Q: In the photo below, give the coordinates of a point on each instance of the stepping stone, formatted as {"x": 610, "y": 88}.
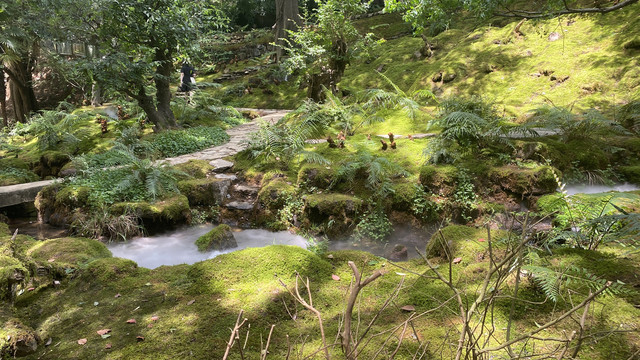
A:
{"x": 220, "y": 165}
{"x": 315, "y": 141}
{"x": 422, "y": 136}
{"x": 226, "y": 177}
{"x": 246, "y": 189}
{"x": 239, "y": 205}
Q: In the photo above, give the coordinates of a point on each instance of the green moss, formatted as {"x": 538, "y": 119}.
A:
{"x": 216, "y": 239}
{"x": 72, "y": 197}
{"x": 461, "y": 241}
{"x": 403, "y": 196}
{"x": 16, "y": 339}
{"x": 631, "y": 173}
{"x": 171, "y": 210}
{"x": 51, "y": 162}
{"x": 4, "y": 229}
{"x": 336, "y": 212}
{"x": 110, "y": 269}
{"x": 197, "y": 169}
{"x": 440, "y": 180}
{"x": 59, "y": 255}
{"x": 525, "y": 181}
{"x": 203, "y": 192}
{"x": 314, "y": 175}
{"x": 274, "y": 193}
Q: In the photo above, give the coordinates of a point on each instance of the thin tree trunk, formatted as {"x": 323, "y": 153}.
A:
{"x": 287, "y": 18}
{"x": 163, "y": 88}
{"x": 21, "y": 91}
{"x": 3, "y": 100}
{"x": 96, "y": 89}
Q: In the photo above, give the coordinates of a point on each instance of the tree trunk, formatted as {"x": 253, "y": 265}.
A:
{"x": 3, "y": 101}
{"x": 96, "y": 89}
{"x": 21, "y": 89}
{"x": 287, "y": 18}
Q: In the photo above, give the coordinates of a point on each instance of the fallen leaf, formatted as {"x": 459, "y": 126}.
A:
{"x": 147, "y": 284}
{"x": 335, "y": 277}
{"x": 150, "y": 326}
{"x": 191, "y": 302}
{"x": 131, "y": 321}
{"x": 108, "y": 346}
{"x": 82, "y": 341}
{"x": 105, "y": 336}
{"x": 408, "y": 308}
{"x": 56, "y": 282}
{"x": 31, "y": 289}
{"x": 457, "y": 260}
{"x": 51, "y": 260}
{"x": 48, "y": 342}
{"x": 103, "y": 331}
{"x": 481, "y": 240}
{"x": 95, "y": 303}
{"x": 117, "y": 295}
{"x": 372, "y": 262}
{"x": 140, "y": 338}
{"x": 154, "y": 318}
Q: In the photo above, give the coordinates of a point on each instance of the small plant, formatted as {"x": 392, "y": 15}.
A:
{"x": 317, "y": 246}
{"x": 374, "y": 225}
{"x": 102, "y": 224}
{"x": 465, "y": 196}
{"x": 421, "y": 206}
{"x": 204, "y": 215}
{"x": 178, "y": 142}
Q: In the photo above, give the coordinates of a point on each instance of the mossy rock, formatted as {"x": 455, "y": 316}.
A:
{"x": 531, "y": 150}
{"x": 204, "y": 192}
{"x": 631, "y": 173}
{"x": 461, "y": 241}
{"x": 220, "y": 238}
{"x": 197, "y": 169}
{"x": 45, "y": 203}
{"x": 275, "y": 193}
{"x": 173, "y": 210}
{"x": 403, "y": 195}
{"x": 72, "y": 197}
{"x": 439, "y": 180}
{"x": 64, "y": 255}
{"x": 12, "y": 271}
{"x": 314, "y": 175}
{"x": 110, "y": 269}
{"x": 51, "y": 162}
{"x": 17, "y": 339}
{"x": 4, "y": 229}
{"x": 525, "y": 181}
{"x": 339, "y": 210}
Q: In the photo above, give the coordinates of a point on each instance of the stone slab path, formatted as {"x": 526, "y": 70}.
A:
{"x": 238, "y": 137}
{"x": 22, "y": 193}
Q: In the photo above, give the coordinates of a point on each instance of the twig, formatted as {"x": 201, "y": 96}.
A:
{"x": 266, "y": 348}
{"x": 233, "y": 334}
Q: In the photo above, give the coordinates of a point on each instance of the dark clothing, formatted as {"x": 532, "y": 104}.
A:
{"x": 187, "y": 73}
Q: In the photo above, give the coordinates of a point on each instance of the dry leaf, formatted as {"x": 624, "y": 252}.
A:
{"x": 103, "y": 331}
{"x": 457, "y": 260}
{"x": 48, "y": 342}
{"x": 150, "y": 326}
{"x": 108, "y": 346}
{"x": 481, "y": 240}
{"x": 335, "y": 277}
{"x": 191, "y": 302}
{"x": 31, "y": 289}
{"x": 117, "y": 295}
{"x": 51, "y": 260}
{"x": 82, "y": 341}
{"x": 154, "y": 318}
{"x": 408, "y": 308}
{"x": 140, "y": 338}
{"x": 131, "y": 321}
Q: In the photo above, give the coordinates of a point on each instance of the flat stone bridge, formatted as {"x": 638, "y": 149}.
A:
{"x": 238, "y": 136}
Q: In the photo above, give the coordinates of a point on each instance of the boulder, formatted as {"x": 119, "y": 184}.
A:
{"x": 399, "y": 253}
{"x": 220, "y": 165}
{"x": 220, "y": 238}
{"x": 205, "y": 192}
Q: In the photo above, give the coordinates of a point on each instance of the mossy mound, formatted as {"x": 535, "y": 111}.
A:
{"x": 439, "y": 180}
{"x": 12, "y": 271}
{"x": 275, "y": 193}
{"x": 531, "y": 150}
{"x": 56, "y": 203}
{"x": 525, "y": 181}
{"x": 45, "y": 203}
{"x": 110, "y": 269}
{"x": 65, "y": 255}
{"x": 51, "y": 162}
{"x": 17, "y": 339}
{"x": 220, "y": 238}
{"x": 250, "y": 266}
{"x": 173, "y": 210}
{"x": 314, "y": 175}
{"x": 197, "y": 169}
{"x": 204, "y": 192}
{"x": 13, "y": 176}
{"x": 403, "y": 196}
{"x": 339, "y": 209}
{"x": 460, "y": 241}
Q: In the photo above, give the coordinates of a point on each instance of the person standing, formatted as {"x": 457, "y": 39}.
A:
{"x": 187, "y": 77}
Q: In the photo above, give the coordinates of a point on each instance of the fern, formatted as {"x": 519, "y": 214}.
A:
{"x": 410, "y": 104}
{"x": 585, "y": 126}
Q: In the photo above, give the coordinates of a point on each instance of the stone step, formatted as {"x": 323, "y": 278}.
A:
{"x": 220, "y": 165}
{"x": 239, "y": 205}
{"x": 230, "y": 177}
{"x": 246, "y": 189}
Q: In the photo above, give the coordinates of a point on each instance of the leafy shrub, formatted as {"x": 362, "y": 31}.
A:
{"x": 629, "y": 116}
{"x": 576, "y": 127}
{"x": 102, "y": 223}
{"x": 55, "y": 130}
{"x": 202, "y": 109}
{"x": 374, "y": 225}
{"x": 179, "y": 142}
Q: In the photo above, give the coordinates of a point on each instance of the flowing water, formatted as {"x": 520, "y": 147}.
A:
{"x": 596, "y": 189}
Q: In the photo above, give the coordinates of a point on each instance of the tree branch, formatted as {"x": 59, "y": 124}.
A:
{"x": 567, "y": 10}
